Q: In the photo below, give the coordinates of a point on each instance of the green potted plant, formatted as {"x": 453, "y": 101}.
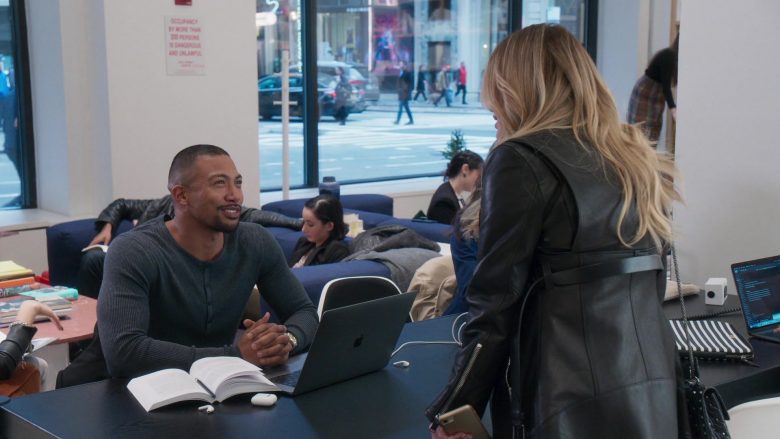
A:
{"x": 455, "y": 145}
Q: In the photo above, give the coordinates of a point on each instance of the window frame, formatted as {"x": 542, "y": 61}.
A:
{"x": 310, "y": 100}
{"x": 21, "y": 57}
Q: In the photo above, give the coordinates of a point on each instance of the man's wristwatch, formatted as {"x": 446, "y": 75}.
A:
{"x": 293, "y": 340}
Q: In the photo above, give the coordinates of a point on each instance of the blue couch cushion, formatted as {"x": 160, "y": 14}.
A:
{"x": 286, "y": 239}
{"x": 376, "y": 203}
{"x": 64, "y": 242}
{"x": 314, "y": 278}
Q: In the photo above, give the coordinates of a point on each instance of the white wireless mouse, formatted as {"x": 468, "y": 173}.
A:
{"x": 264, "y": 399}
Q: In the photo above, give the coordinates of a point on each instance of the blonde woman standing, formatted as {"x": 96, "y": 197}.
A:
{"x": 566, "y": 335}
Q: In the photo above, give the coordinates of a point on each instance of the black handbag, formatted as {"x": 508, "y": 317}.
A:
{"x": 707, "y": 414}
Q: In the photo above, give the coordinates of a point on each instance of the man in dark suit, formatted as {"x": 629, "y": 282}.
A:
{"x": 405, "y": 85}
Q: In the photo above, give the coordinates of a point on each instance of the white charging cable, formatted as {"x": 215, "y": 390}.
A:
{"x": 455, "y": 336}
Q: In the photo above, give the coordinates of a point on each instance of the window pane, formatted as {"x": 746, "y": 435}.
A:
{"x": 442, "y": 47}
{"x": 278, "y": 29}
{"x": 568, "y": 13}
{"x": 11, "y": 162}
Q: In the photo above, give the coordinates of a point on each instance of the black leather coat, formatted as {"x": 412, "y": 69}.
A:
{"x": 144, "y": 210}
{"x": 590, "y": 358}
{"x": 13, "y": 348}
{"x": 329, "y": 252}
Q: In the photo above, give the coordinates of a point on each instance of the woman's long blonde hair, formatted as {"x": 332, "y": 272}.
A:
{"x": 541, "y": 78}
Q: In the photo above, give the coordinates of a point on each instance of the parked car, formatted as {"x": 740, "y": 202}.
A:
{"x": 269, "y": 90}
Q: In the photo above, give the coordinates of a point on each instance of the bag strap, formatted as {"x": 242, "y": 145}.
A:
{"x": 694, "y": 373}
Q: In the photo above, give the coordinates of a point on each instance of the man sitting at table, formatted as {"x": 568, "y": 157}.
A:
{"x": 174, "y": 289}
{"x": 140, "y": 211}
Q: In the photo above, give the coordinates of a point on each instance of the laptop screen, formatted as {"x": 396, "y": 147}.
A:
{"x": 758, "y": 285}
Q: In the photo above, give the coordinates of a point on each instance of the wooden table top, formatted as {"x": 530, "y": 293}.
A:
{"x": 78, "y": 325}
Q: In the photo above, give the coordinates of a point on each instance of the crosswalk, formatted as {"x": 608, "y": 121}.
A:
{"x": 368, "y": 147}
{"x": 368, "y": 140}
{"x": 373, "y": 148}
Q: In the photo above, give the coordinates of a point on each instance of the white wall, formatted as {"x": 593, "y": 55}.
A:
{"x": 54, "y": 41}
{"x": 728, "y": 135}
{"x": 27, "y": 248}
{"x": 153, "y": 115}
{"x": 106, "y": 111}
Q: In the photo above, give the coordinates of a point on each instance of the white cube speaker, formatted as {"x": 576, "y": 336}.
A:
{"x": 715, "y": 291}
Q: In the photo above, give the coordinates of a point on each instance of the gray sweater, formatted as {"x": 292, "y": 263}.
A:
{"x": 159, "y": 307}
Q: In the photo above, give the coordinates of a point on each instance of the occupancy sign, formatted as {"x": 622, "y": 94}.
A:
{"x": 184, "y": 46}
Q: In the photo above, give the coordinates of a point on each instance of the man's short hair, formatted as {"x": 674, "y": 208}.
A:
{"x": 185, "y": 158}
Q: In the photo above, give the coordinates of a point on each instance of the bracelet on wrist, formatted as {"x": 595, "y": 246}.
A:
{"x": 21, "y": 323}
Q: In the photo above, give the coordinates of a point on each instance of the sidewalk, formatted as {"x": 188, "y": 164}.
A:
{"x": 389, "y": 102}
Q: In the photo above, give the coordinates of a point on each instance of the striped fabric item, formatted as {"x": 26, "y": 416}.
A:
{"x": 711, "y": 339}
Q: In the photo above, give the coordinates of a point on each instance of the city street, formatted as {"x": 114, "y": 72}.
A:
{"x": 370, "y": 146}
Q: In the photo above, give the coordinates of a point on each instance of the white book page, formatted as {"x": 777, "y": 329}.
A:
{"x": 219, "y": 374}
{"x": 100, "y": 246}
{"x": 212, "y": 371}
{"x": 165, "y": 387}
{"x": 244, "y": 384}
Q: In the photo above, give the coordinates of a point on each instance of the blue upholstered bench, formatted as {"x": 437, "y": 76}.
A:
{"x": 375, "y": 203}
{"x": 314, "y": 277}
{"x": 64, "y": 242}
{"x": 373, "y": 210}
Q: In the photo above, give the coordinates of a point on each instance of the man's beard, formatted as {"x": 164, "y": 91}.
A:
{"x": 225, "y": 227}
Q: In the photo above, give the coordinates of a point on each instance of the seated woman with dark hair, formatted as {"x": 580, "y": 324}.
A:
{"x": 462, "y": 173}
{"x": 323, "y": 230}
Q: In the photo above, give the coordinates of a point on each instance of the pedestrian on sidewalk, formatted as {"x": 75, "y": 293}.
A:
{"x": 343, "y": 94}
{"x": 405, "y": 83}
{"x": 461, "y": 85}
{"x": 422, "y": 83}
{"x": 443, "y": 86}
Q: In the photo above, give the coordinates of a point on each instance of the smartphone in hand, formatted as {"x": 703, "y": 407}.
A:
{"x": 463, "y": 419}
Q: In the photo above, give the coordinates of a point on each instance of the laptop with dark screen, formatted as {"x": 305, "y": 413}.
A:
{"x": 350, "y": 341}
{"x": 758, "y": 287}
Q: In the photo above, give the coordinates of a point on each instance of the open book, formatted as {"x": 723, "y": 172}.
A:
{"x": 210, "y": 379}
{"x": 90, "y": 247}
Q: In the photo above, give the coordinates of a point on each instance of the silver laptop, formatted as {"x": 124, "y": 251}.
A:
{"x": 351, "y": 341}
{"x": 758, "y": 286}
